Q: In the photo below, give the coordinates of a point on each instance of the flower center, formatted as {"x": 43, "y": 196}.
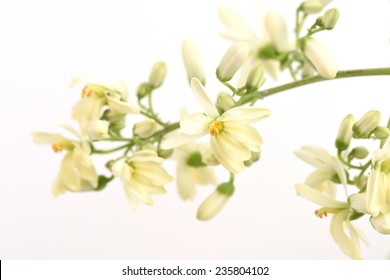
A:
{"x": 320, "y": 213}
{"x": 57, "y": 148}
{"x": 215, "y": 128}
{"x": 87, "y": 91}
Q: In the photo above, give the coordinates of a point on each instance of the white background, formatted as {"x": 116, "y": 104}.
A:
{"x": 44, "y": 44}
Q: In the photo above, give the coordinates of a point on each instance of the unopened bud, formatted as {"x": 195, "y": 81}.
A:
{"x": 233, "y": 59}
{"x": 321, "y": 57}
{"x": 165, "y": 153}
{"x": 98, "y": 130}
{"x": 145, "y": 128}
{"x": 359, "y": 153}
{"x": 381, "y": 132}
{"x": 215, "y": 202}
{"x": 330, "y": 18}
{"x": 364, "y": 126}
{"x": 143, "y": 90}
{"x": 193, "y": 62}
{"x": 224, "y": 102}
{"x": 255, "y": 79}
{"x": 157, "y": 74}
{"x": 312, "y": 6}
{"x": 344, "y": 135}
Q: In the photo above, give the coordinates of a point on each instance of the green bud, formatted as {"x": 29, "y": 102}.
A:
{"x": 330, "y": 18}
{"x": 145, "y": 128}
{"x": 195, "y": 160}
{"x": 255, "y": 156}
{"x": 366, "y": 124}
{"x": 385, "y": 166}
{"x": 255, "y": 79}
{"x": 381, "y": 132}
{"x": 226, "y": 188}
{"x": 359, "y": 153}
{"x": 224, "y": 102}
{"x": 312, "y": 7}
{"x": 165, "y": 153}
{"x": 268, "y": 52}
{"x": 344, "y": 135}
{"x": 143, "y": 90}
{"x": 157, "y": 75}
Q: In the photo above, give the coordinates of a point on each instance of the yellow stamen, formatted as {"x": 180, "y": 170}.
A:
{"x": 57, "y": 148}
{"x": 215, "y": 128}
{"x": 131, "y": 170}
{"x": 320, "y": 213}
{"x": 87, "y": 91}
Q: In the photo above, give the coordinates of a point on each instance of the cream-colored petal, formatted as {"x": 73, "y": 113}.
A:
{"x": 58, "y": 187}
{"x": 140, "y": 192}
{"x": 131, "y": 197}
{"x": 244, "y": 134}
{"x": 195, "y": 124}
{"x": 235, "y": 23}
{"x": 231, "y": 147}
{"x": 340, "y": 170}
{"x": 244, "y": 115}
{"x": 314, "y": 156}
{"x": 318, "y": 197}
{"x": 156, "y": 175}
{"x": 381, "y": 223}
{"x": 203, "y": 175}
{"x": 122, "y": 106}
{"x": 185, "y": 184}
{"x": 68, "y": 174}
{"x": 203, "y": 99}
{"x": 346, "y": 244}
{"x": 230, "y": 164}
{"x": 178, "y": 138}
{"x": 277, "y": 30}
{"x": 117, "y": 167}
{"x": 357, "y": 202}
{"x": 375, "y": 192}
{"x": 317, "y": 178}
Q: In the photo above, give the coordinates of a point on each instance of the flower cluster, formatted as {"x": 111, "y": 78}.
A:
{"x": 364, "y": 193}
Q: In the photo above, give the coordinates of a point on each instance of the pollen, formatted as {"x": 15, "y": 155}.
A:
{"x": 320, "y": 213}
{"x": 87, "y": 91}
{"x": 215, "y": 128}
{"x": 57, "y": 148}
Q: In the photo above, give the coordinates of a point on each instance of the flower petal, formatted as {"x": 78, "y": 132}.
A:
{"x": 231, "y": 147}
{"x": 244, "y": 115}
{"x": 244, "y": 134}
{"x": 230, "y": 164}
{"x": 203, "y": 100}
{"x": 375, "y": 192}
{"x": 185, "y": 185}
{"x": 122, "y": 106}
{"x": 68, "y": 173}
{"x": 357, "y": 202}
{"x": 178, "y": 138}
{"x": 318, "y": 197}
{"x": 195, "y": 124}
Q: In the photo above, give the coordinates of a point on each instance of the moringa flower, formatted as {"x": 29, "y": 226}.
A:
{"x": 141, "y": 176}
{"x": 329, "y": 169}
{"x": 193, "y": 62}
{"x": 95, "y": 97}
{"x": 77, "y": 172}
{"x": 231, "y": 138}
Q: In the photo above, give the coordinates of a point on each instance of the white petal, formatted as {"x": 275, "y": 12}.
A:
{"x": 349, "y": 246}
{"x": 321, "y": 57}
{"x": 156, "y": 175}
{"x": 375, "y": 192}
{"x": 244, "y": 134}
{"x": 318, "y": 197}
{"x": 68, "y": 173}
{"x": 212, "y": 206}
{"x": 177, "y": 139}
{"x": 235, "y": 23}
{"x": 140, "y": 192}
{"x": 381, "y": 223}
{"x": 231, "y": 147}
{"x": 185, "y": 186}
{"x": 314, "y": 156}
{"x": 277, "y": 30}
{"x": 44, "y": 138}
{"x": 195, "y": 124}
{"x": 339, "y": 168}
{"x": 357, "y": 202}
{"x": 58, "y": 187}
{"x": 146, "y": 156}
{"x": 203, "y": 100}
{"x": 122, "y": 106}
{"x": 317, "y": 178}
{"x": 131, "y": 197}
{"x": 230, "y": 164}
{"x": 244, "y": 115}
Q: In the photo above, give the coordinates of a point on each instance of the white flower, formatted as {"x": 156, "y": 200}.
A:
{"x": 191, "y": 169}
{"x": 233, "y": 59}
{"x": 378, "y": 185}
{"x": 231, "y": 138}
{"x": 320, "y": 56}
{"x": 141, "y": 176}
{"x": 193, "y": 62}
{"x": 328, "y": 168}
{"x": 95, "y": 97}
{"x": 77, "y": 172}
{"x": 98, "y": 130}
{"x": 157, "y": 74}
{"x": 145, "y": 128}
{"x": 345, "y": 234}
{"x": 274, "y": 39}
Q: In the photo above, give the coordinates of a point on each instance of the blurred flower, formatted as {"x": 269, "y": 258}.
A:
{"x": 157, "y": 74}
{"x": 98, "y": 130}
{"x": 193, "y": 62}
{"x": 142, "y": 176}
{"x": 232, "y": 139}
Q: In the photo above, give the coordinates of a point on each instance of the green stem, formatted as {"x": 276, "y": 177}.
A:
{"x": 95, "y": 151}
{"x": 340, "y": 75}
{"x": 343, "y": 161}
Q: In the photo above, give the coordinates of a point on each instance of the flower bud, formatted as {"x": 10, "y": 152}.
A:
{"x": 224, "y": 102}
{"x": 233, "y": 59}
{"x": 157, "y": 75}
{"x": 344, "y": 135}
{"x": 193, "y": 62}
{"x": 215, "y": 202}
{"x": 381, "y": 223}
{"x": 98, "y": 130}
{"x": 320, "y": 57}
{"x": 145, "y": 128}
{"x": 312, "y": 6}
{"x": 255, "y": 79}
{"x": 381, "y": 132}
{"x": 330, "y": 18}
{"x": 359, "y": 153}
{"x": 277, "y": 31}
{"x": 165, "y": 153}
{"x": 143, "y": 90}
{"x": 195, "y": 160}
{"x": 366, "y": 124}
